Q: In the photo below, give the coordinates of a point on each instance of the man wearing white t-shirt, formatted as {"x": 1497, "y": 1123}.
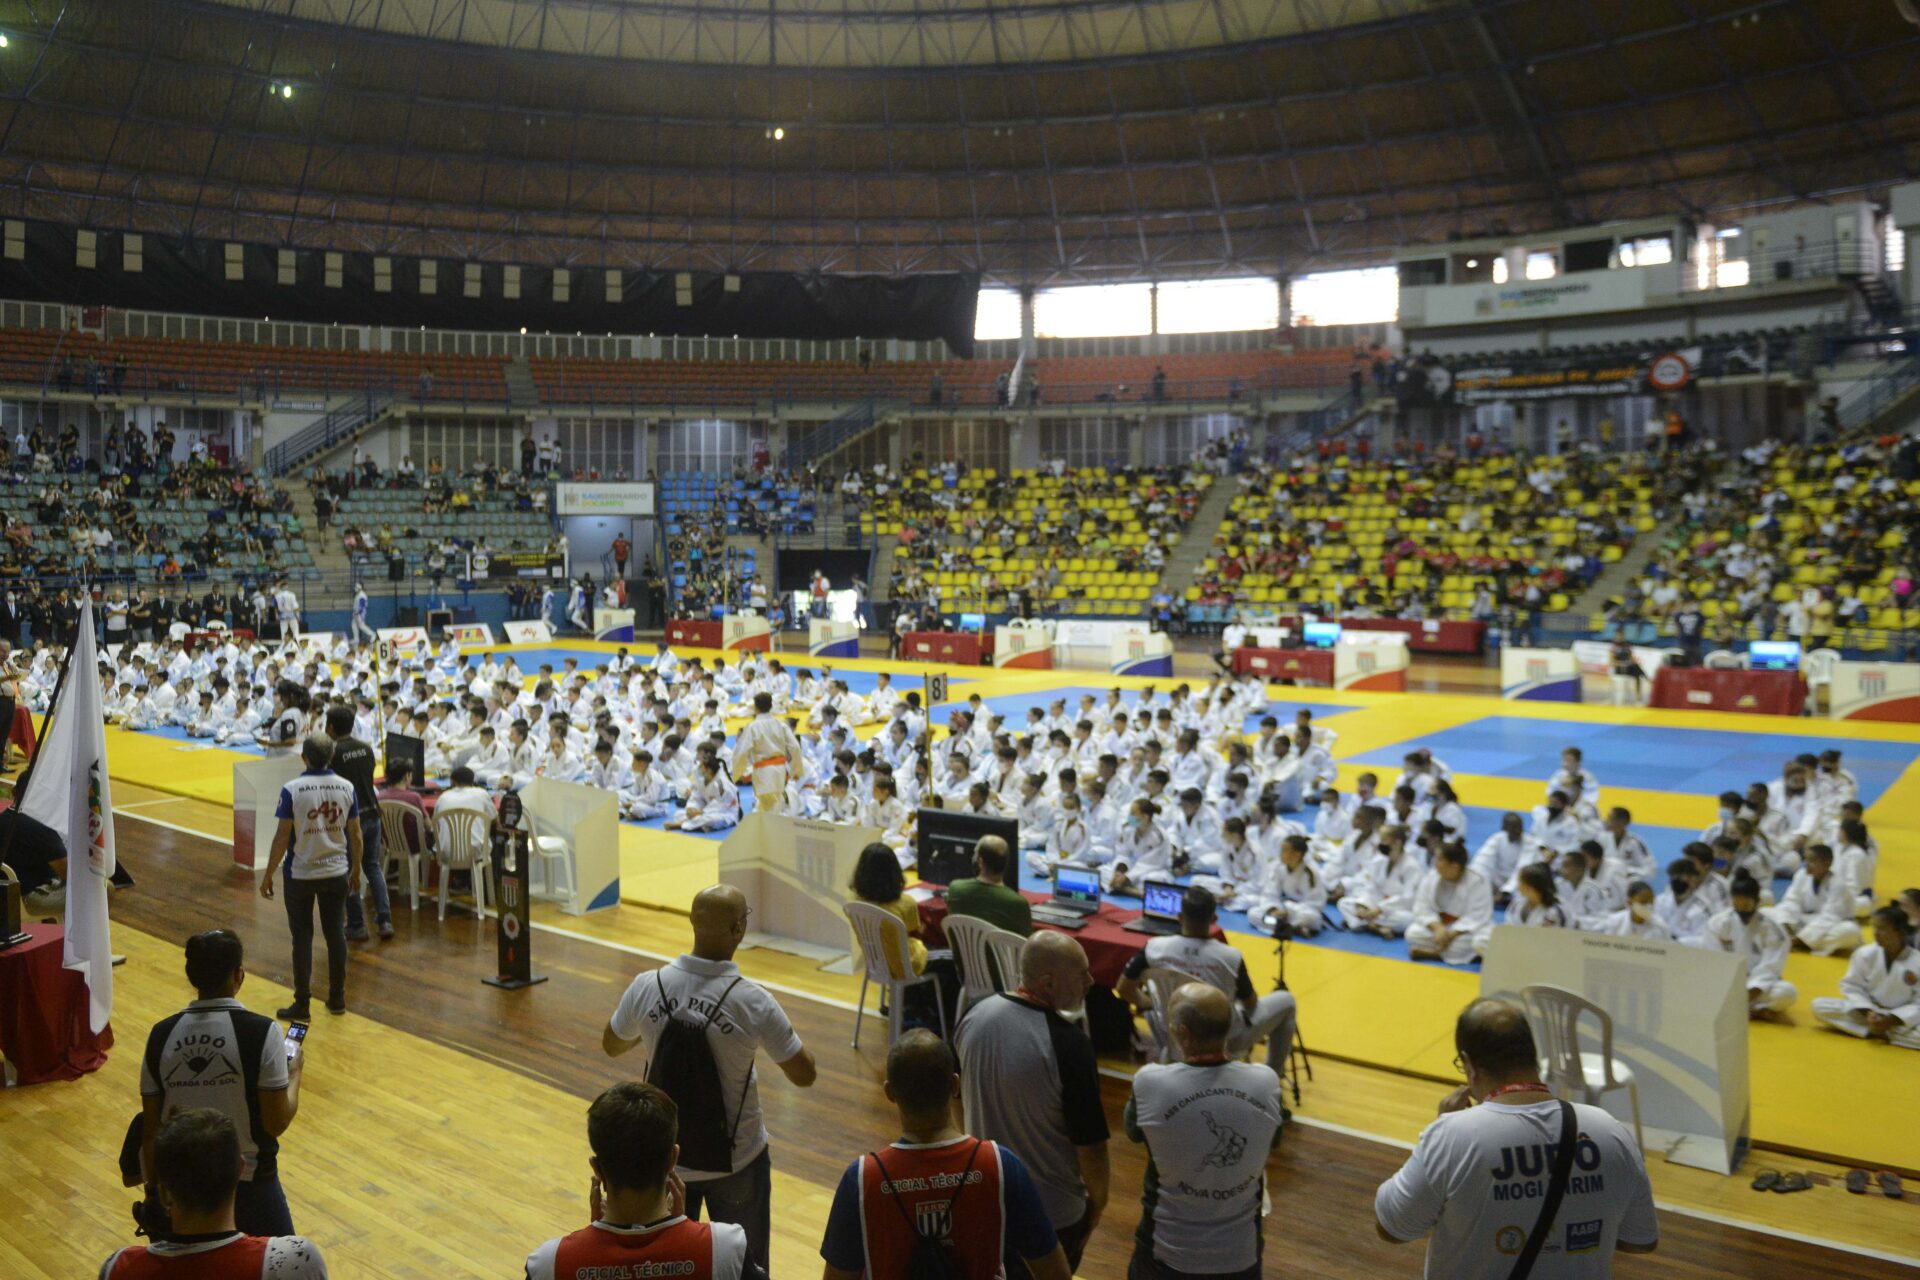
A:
{"x": 705, "y": 989}
{"x": 1478, "y": 1177}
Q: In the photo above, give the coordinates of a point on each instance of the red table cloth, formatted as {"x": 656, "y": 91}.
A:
{"x": 1108, "y": 945}
{"x": 1315, "y": 665}
{"x": 44, "y": 1033}
{"x": 1771, "y": 693}
{"x": 958, "y": 647}
{"x": 694, "y": 633}
{"x": 1424, "y": 635}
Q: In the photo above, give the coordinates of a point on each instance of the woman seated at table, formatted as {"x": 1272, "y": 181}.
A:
{"x": 877, "y": 880}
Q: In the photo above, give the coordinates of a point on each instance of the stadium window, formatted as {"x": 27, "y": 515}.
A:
{"x": 1731, "y": 274}
{"x": 1366, "y": 296}
{"x": 1896, "y": 250}
{"x": 1093, "y": 311}
{"x": 1219, "y": 306}
{"x": 1648, "y": 251}
{"x": 996, "y": 315}
{"x": 1500, "y": 269}
{"x": 1541, "y": 264}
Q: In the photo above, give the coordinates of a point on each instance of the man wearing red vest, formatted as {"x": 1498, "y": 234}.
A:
{"x": 640, "y": 1227}
{"x": 196, "y": 1167}
{"x": 936, "y": 1187}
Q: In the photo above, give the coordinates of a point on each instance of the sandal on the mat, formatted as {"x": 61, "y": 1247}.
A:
{"x": 1793, "y": 1182}
{"x": 1857, "y": 1181}
{"x": 1890, "y": 1185}
{"x": 1768, "y": 1179}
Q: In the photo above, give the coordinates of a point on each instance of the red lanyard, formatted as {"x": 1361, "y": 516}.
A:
{"x": 1533, "y": 1087}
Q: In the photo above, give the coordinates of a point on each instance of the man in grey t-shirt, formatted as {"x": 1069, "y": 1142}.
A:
{"x": 1029, "y": 1080}
{"x": 1208, "y": 1123}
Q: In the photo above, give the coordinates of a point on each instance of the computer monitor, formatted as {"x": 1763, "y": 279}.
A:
{"x": 1160, "y": 900}
{"x": 1320, "y": 635}
{"x": 413, "y": 751}
{"x": 946, "y": 839}
{"x": 717, "y": 612}
{"x": 973, "y": 622}
{"x": 1076, "y": 885}
{"x": 1774, "y": 655}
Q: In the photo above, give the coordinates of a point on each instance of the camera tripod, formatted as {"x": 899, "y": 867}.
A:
{"x": 1298, "y": 1060}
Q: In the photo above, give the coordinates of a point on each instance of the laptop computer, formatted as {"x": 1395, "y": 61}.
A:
{"x": 1076, "y": 896}
{"x": 1159, "y": 908}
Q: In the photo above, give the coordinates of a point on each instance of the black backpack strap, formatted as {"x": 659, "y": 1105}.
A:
{"x": 740, "y": 1104}
{"x": 1556, "y": 1192}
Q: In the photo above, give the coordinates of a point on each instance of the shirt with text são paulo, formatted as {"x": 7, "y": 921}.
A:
{"x": 744, "y": 1020}
{"x": 319, "y": 803}
{"x": 1477, "y": 1179}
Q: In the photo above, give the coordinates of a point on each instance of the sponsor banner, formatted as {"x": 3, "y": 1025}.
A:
{"x": 528, "y": 632}
{"x": 832, "y": 638}
{"x": 745, "y": 631}
{"x": 524, "y": 564}
{"x": 614, "y": 626}
{"x": 469, "y": 635}
{"x": 1141, "y": 655}
{"x": 1875, "y": 691}
{"x": 1497, "y": 382}
{"x": 604, "y": 498}
{"x": 1539, "y": 675}
{"x": 406, "y": 642}
{"x": 1024, "y": 646}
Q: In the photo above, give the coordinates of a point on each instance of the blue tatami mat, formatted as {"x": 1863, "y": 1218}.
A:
{"x": 1701, "y": 762}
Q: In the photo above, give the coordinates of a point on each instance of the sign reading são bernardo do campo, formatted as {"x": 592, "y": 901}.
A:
{"x": 593, "y": 498}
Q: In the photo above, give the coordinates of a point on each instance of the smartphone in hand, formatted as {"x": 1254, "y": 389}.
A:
{"x": 296, "y": 1038}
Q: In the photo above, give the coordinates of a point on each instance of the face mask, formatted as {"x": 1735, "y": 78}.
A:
{"x": 1643, "y": 911}
{"x": 1726, "y": 814}
{"x": 1746, "y": 917}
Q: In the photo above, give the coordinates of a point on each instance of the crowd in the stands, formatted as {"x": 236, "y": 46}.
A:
{"x": 1809, "y": 543}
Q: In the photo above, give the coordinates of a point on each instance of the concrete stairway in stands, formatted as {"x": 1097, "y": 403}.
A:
{"x": 1196, "y": 544}
{"x": 334, "y": 589}
{"x": 522, "y": 391}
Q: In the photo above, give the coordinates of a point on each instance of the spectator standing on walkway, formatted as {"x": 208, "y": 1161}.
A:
{"x": 640, "y": 1225}
{"x": 1479, "y": 1176}
{"x": 197, "y": 1172}
{"x": 247, "y": 1078}
{"x": 1029, "y": 1080}
{"x": 1208, "y": 1122}
{"x": 319, "y": 827}
{"x": 353, "y": 760}
{"x": 969, "y": 1199}
{"x": 705, "y": 990}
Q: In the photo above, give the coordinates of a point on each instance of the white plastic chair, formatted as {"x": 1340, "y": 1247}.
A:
{"x": 884, "y": 953}
{"x": 396, "y": 841}
{"x": 972, "y": 940}
{"x": 1006, "y": 949}
{"x": 1817, "y": 666}
{"x": 1555, "y": 1015}
{"x": 1160, "y": 984}
{"x": 456, "y": 849}
{"x": 1724, "y": 660}
{"x": 554, "y": 855}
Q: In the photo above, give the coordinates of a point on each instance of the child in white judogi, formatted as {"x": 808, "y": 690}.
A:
{"x": 1880, "y": 996}
{"x": 1760, "y": 942}
{"x": 1293, "y": 889}
{"x": 713, "y": 803}
{"x": 645, "y": 794}
{"x": 1637, "y": 919}
{"x": 1382, "y": 901}
{"x": 1452, "y": 910}
{"x": 1817, "y": 908}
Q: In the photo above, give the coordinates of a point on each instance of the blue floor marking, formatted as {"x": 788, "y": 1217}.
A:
{"x": 860, "y": 682}
{"x": 1701, "y": 762}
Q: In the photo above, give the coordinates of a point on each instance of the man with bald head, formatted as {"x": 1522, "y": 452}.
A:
{"x": 1479, "y": 1176}
{"x": 704, "y": 990}
{"x": 1029, "y": 1079}
{"x": 1208, "y": 1122}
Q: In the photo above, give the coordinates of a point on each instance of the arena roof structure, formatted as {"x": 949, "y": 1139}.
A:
{"x": 1027, "y": 141}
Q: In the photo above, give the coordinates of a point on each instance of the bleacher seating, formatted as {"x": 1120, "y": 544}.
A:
{"x": 1822, "y": 520}
{"x": 761, "y": 503}
{"x": 494, "y": 519}
{"x": 1331, "y": 534}
{"x": 1106, "y": 569}
{"x": 728, "y": 382}
{"x": 39, "y": 357}
{"x": 181, "y": 524}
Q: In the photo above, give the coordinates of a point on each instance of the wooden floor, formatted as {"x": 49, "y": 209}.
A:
{"x": 441, "y": 1129}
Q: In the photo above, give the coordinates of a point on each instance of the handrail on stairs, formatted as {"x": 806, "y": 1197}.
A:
{"x": 330, "y": 428}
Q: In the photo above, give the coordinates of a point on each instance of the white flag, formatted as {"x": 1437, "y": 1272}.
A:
{"x": 70, "y": 793}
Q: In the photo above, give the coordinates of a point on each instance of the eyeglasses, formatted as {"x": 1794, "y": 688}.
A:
{"x": 1460, "y": 1063}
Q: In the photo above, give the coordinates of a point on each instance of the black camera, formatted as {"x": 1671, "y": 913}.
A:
{"x": 151, "y": 1219}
